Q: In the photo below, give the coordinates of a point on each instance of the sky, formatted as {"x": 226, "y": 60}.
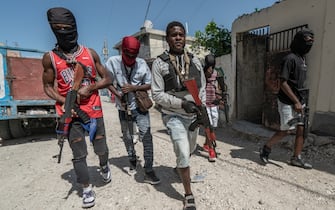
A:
{"x": 24, "y": 22}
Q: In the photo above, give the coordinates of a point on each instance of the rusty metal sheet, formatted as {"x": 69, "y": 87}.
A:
{"x": 25, "y": 78}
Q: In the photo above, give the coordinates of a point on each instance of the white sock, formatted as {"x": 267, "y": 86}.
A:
{"x": 87, "y": 189}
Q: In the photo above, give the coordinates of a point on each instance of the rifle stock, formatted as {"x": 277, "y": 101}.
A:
{"x": 202, "y": 115}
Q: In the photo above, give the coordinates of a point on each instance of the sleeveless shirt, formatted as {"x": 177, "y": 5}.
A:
{"x": 64, "y": 75}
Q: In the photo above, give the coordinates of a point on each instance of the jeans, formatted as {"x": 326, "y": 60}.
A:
{"x": 184, "y": 141}
{"x": 142, "y": 121}
{"x": 79, "y": 148}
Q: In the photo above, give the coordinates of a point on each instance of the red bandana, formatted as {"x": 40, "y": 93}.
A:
{"x": 130, "y": 49}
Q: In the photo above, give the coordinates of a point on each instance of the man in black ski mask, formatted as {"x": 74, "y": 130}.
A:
{"x": 61, "y": 65}
{"x": 302, "y": 42}
{"x": 64, "y": 26}
{"x": 292, "y": 98}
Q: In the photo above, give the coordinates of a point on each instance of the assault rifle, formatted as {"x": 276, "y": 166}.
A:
{"x": 128, "y": 116}
{"x": 70, "y": 105}
{"x": 202, "y": 115}
{"x": 224, "y": 96}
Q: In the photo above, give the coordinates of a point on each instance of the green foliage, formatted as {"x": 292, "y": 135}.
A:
{"x": 215, "y": 39}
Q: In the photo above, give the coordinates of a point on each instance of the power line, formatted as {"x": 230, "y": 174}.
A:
{"x": 146, "y": 13}
{"x": 161, "y": 11}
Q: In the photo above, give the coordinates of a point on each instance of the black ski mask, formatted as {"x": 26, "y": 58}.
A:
{"x": 302, "y": 42}
{"x": 66, "y": 37}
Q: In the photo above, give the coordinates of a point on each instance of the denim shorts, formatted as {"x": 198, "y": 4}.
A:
{"x": 286, "y": 113}
{"x": 184, "y": 141}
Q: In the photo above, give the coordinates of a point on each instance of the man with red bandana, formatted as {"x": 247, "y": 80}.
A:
{"x": 60, "y": 66}
{"x": 131, "y": 74}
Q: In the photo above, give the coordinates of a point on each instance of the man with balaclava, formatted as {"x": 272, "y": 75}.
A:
{"x": 131, "y": 74}
{"x": 292, "y": 98}
{"x": 61, "y": 65}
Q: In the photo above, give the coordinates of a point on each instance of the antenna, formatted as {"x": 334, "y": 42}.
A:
{"x": 105, "y": 51}
{"x": 186, "y": 28}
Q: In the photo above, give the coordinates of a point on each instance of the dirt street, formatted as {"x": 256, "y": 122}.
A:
{"x": 30, "y": 177}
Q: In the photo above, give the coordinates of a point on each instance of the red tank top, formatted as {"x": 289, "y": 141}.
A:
{"x": 64, "y": 76}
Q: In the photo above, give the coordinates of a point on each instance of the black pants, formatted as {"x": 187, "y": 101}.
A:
{"x": 79, "y": 148}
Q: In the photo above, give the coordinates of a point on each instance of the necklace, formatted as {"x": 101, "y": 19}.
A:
{"x": 182, "y": 70}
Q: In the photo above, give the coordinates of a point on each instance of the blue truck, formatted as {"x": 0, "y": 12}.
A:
{"x": 23, "y": 104}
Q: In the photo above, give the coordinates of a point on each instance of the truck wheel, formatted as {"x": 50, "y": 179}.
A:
{"x": 17, "y": 129}
{"x": 4, "y": 130}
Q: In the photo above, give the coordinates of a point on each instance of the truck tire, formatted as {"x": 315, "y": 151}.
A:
{"x": 17, "y": 129}
{"x": 4, "y": 130}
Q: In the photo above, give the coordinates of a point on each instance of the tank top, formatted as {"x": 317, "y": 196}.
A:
{"x": 64, "y": 75}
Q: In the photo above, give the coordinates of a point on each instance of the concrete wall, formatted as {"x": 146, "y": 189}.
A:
{"x": 224, "y": 62}
{"x": 319, "y": 16}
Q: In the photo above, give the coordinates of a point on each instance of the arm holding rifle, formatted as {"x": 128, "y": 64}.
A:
{"x": 104, "y": 82}
{"x": 70, "y": 107}
{"x": 202, "y": 117}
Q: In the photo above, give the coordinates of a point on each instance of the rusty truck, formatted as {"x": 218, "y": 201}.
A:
{"x": 23, "y": 104}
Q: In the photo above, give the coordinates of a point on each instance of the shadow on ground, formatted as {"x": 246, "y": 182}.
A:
{"x": 166, "y": 175}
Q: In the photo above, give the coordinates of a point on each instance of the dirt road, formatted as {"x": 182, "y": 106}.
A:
{"x": 30, "y": 177}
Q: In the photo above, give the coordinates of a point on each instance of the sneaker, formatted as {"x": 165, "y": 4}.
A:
{"x": 211, "y": 155}
{"x": 133, "y": 167}
{"x": 151, "y": 178}
{"x": 297, "y": 161}
{"x": 205, "y": 147}
{"x": 106, "y": 173}
{"x": 88, "y": 199}
{"x": 264, "y": 154}
{"x": 189, "y": 203}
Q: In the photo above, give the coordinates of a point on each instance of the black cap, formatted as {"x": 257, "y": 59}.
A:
{"x": 61, "y": 15}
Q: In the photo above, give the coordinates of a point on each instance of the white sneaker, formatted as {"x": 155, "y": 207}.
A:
{"x": 106, "y": 173}
{"x": 88, "y": 199}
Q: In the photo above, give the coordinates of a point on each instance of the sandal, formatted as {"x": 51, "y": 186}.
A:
{"x": 189, "y": 203}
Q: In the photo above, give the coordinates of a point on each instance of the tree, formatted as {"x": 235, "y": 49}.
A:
{"x": 215, "y": 39}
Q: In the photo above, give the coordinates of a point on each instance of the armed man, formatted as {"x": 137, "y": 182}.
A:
{"x": 74, "y": 69}
{"x": 292, "y": 98}
{"x": 169, "y": 71}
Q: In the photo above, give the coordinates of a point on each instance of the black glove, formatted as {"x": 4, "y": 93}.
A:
{"x": 189, "y": 106}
